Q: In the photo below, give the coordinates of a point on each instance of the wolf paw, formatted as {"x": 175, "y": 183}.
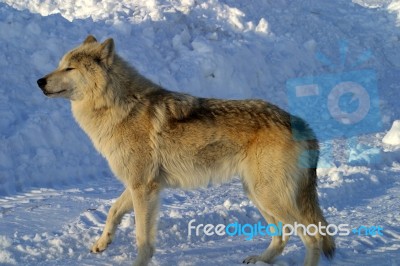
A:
{"x": 101, "y": 244}
{"x": 252, "y": 259}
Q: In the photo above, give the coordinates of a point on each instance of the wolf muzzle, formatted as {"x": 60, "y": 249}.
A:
{"x": 42, "y": 83}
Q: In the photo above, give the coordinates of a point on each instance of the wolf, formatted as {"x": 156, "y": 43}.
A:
{"x": 154, "y": 138}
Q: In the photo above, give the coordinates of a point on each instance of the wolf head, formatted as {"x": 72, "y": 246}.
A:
{"x": 81, "y": 72}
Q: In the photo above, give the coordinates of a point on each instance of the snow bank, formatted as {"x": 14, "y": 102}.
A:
{"x": 209, "y": 48}
{"x": 5, "y": 256}
{"x": 393, "y": 136}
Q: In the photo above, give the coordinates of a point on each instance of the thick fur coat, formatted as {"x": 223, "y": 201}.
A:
{"x": 153, "y": 138}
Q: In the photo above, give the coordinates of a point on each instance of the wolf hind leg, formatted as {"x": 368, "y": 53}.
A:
{"x": 274, "y": 249}
{"x": 313, "y": 249}
{"x": 316, "y": 242}
{"x": 121, "y": 206}
{"x": 278, "y": 242}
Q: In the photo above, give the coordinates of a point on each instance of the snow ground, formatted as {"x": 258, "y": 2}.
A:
{"x": 55, "y": 190}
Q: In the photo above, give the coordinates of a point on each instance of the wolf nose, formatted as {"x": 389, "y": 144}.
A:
{"x": 42, "y": 83}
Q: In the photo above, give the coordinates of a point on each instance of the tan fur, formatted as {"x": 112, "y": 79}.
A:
{"x": 153, "y": 138}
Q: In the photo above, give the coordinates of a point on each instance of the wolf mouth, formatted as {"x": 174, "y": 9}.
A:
{"x": 53, "y": 93}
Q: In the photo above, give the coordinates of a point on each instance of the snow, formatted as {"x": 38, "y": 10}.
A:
{"x": 393, "y": 136}
{"x": 55, "y": 190}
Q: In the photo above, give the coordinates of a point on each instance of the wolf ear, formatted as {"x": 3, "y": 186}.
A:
{"x": 107, "y": 52}
{"x": 89, "y": 39}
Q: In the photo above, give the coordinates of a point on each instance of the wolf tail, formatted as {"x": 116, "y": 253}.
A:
{"x": 328, "y": 246}
{"x": 308, "y": 196}
{"x": 309, "y": 200}
{"x": 328, "y": 242}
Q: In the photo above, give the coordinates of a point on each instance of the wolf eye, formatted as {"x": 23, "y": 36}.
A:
{"x": 69, "y": 68}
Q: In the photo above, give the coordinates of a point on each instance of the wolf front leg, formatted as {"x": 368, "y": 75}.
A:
{"x": 145, "y": 200}
{"x": 121, "y": 206}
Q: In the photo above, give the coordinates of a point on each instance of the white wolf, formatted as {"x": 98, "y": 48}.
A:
{"x": 154, "y": 138}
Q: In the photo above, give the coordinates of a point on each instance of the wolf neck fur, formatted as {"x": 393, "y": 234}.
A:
{"x": 121, "y": 92}
{"x": 124, "y": 87}
{"x": 121, "y": 95}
